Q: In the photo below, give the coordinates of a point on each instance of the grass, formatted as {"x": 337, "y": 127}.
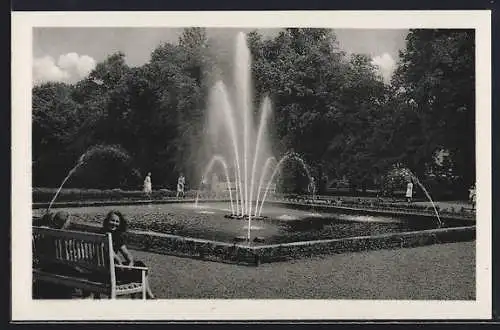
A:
{"x": 441, "y": 272}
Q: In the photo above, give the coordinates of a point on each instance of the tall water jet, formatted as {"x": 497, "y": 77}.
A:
{"x": 220, "y": 94}
{"x": 243, "y": 90}
{"x": 244, "y": 147}
{"x": 236, "y": 190}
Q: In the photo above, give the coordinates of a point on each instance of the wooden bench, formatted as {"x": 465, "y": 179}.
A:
{"x": 88, "y": 254}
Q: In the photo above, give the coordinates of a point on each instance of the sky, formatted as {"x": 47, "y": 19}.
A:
{"x": 70, "y": 54}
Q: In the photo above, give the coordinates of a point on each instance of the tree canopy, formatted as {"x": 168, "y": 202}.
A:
{"x": 331, "y": 107}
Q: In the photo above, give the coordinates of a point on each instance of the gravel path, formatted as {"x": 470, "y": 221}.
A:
{"x": 445, "y": 271}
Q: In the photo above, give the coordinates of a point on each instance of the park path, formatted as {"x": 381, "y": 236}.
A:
{"x": 444, "y": 271}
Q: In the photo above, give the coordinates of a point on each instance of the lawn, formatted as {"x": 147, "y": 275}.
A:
{"x": 442, "y": 272}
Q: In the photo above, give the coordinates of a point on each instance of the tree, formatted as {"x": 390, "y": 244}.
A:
{"x": 331, "y": 108}
{"x": 179, "y": 75}
{"x": 299, "y": 69}
{"x": 55, "y": 122}
{"x": 327, "y": 105}
{"x": 92, "y": 95}
{"x": 436, "y": 74}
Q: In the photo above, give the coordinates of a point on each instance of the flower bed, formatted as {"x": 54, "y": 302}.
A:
{"x": 80, "y": 196}
{"x": 211, "y": 224}
{"x": 45, "y": 195}
{"x": 384, "y": 207}
{"x": 248, "y": 254}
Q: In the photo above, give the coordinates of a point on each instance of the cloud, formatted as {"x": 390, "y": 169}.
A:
{"x": 69, "y": 68}
{"x": 386, "y": 65}
{"x": 44, "y": 69}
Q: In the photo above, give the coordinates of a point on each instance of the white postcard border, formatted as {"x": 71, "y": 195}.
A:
{"x": 25, "y": 308}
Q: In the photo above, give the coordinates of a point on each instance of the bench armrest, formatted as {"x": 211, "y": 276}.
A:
{"x": 131, "y": 267}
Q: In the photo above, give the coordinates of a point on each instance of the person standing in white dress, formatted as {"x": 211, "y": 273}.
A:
{"x": 409, "y": 191}
{"x": 148, "y": 189}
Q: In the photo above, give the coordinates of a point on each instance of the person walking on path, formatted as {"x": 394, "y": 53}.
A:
{"x": 148, "y": 189}
{"x": 311, "y": 188}
{"x": 472, "y": 195}
{"x": 181, "y": 181}
{"x": 409, "y": 191}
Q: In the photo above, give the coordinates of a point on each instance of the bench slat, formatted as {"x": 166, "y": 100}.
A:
{"x": 88, "y": 266}
{"x": 90, "y": 237}
{"x": 71, "y": 248}
{"x": 88, "y": 253}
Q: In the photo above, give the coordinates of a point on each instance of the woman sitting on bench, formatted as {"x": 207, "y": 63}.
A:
{"x": 116, "y": 224}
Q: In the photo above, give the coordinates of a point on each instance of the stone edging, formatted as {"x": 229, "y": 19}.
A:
{"x": 248, "y": 254}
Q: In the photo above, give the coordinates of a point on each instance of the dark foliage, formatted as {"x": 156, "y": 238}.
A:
{"x": 332, "y": 108}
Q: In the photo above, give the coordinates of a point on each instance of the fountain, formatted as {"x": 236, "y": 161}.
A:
{"x": 243, "y": 153}
{"x": 243, "y": 150}
{"x": 246, "y": 149}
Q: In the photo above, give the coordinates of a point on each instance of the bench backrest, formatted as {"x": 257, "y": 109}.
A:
{"x": 73, "y": 248}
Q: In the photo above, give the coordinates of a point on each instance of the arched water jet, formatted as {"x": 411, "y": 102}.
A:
{"x": 222, "y": 161}
{"x": 261, "y": 181}
{"x": 287, "y": 156}
{"x": 406, "y": 171}
{"x": 99, "y": 149}
{"x": 70, "y": 173}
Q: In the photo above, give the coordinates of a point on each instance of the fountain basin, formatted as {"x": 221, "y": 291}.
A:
{"x": 285, "y": 232}
{"x": 243, "y": 252}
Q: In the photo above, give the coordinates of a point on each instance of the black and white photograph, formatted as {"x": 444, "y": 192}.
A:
{"x": 273, "y": 165}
